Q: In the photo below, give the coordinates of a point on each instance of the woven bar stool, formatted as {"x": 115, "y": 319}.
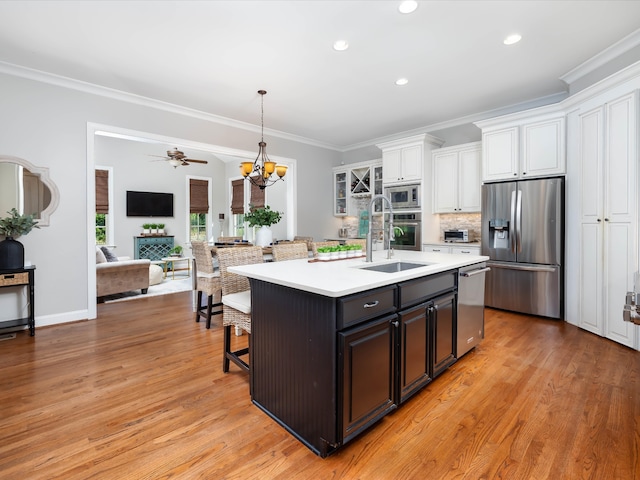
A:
{"x": 289, "y": 251}
{"x": 207, "y": 281}
{"x": 236, "y": 299}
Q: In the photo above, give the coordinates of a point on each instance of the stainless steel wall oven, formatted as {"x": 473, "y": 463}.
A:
{"x": 409, "y": 235}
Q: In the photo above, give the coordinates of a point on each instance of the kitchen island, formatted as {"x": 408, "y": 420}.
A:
{"x": 336, "y": 346}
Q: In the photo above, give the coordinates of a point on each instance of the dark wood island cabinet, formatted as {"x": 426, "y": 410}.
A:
{"x": 328, "y": 364}
{"x": 328, "y": 368}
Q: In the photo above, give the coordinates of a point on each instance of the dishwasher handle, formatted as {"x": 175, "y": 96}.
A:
{"x": 471, "y": 273}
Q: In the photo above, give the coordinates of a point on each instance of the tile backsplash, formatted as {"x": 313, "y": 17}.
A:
{"x": 470, "y": 221}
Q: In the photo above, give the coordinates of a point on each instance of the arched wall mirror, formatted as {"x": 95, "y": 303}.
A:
{"x": 27, "y": 188}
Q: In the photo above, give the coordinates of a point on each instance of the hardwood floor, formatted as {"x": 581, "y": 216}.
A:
{"x": 140, "y": 394}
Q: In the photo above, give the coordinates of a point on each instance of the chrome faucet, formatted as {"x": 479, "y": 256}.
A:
{"x": 369, "y": 237}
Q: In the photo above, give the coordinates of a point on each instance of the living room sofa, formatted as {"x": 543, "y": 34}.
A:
{"x": 120, "y": 276}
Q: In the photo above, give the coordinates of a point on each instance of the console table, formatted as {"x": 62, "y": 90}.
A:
{"x": 153, "y": 248}
{"x": 21, "y": 277}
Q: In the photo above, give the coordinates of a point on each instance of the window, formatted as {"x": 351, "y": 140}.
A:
{"x": 102, "y": 206}
{"x": 198, "y": 227}
{"x": 238, "y": 193}
{"x": 198, "y": 209}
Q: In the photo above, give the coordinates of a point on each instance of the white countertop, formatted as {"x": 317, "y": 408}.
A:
{"x": 344, "y": 277}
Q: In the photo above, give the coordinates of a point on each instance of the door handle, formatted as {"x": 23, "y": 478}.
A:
{"x": 471, "y": 273}
{"x": 512, "y": 224}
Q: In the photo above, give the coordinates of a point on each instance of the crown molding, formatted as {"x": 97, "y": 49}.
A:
{"x": 70, "y": 83}
{"x": 608, "y": 54}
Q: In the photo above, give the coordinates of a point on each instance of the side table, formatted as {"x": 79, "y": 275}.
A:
{"x": 21, "y": 277}
{"x": 174, "y": 269}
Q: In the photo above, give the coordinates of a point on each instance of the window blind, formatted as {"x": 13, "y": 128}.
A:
{"x": 198, "y": 196}
{"x": 257, "y": 197}
{"x": 237, "y": 197}
{"x": 102, "y": 191}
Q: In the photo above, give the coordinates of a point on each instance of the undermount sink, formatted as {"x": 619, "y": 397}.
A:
{"x": 395, "y": 267}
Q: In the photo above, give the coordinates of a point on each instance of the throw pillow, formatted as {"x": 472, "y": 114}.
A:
{"x": 100, "y": 258}
{"x": 109, "y": 255}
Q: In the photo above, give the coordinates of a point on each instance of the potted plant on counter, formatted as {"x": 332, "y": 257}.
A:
{"x": 263, "y": 217}
{"x": 12, "y": 251}
{"x": 176, "y": 251}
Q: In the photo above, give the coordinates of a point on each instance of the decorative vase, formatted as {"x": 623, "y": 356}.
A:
{"x": 264, "y": 236}
{"x": 11, "y": 254}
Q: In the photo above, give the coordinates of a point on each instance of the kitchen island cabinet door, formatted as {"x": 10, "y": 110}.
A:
{"x": 415, "y": 352}
{"x": 367, "y": 365}
{"x": 442, "y": 318}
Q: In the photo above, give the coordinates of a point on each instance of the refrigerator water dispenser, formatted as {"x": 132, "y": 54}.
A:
{"x": 499, "y": 233}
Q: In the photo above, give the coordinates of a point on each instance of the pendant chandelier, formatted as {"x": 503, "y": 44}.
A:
{"x": 260, "y": 171}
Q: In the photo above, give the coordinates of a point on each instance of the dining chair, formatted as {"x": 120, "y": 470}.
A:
{"x": 307, "y": 240}
{"x": 229, "y": 239}
{"x": 357, "y": 241}
{"x": 289, "y": 251}
{"x": 316, "y": 245}
{"x": 236, "y": 299}
{"x": 207, "y": 281}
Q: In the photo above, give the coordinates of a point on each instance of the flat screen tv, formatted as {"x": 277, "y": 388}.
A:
{"x": 149, "y": 204}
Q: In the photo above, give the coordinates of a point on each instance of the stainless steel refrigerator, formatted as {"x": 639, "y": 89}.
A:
{"x": 523, "y": 234}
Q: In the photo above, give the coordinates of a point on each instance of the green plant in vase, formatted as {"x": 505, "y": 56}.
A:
{"x": 263, "y": 217}
{"x": 11, "y": 250}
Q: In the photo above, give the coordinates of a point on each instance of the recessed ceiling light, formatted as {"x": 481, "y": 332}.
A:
{"x": 511, "y": 39}
{"x": 407, "y": 6}
{"x": 402, "y": 81}
{"x": 340, "y": 45}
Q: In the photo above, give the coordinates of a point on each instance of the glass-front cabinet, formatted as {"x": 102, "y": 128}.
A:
{"x": 359, "y": 181}
{"x": 340, "y": 193}
{"x": 377, "y": 186}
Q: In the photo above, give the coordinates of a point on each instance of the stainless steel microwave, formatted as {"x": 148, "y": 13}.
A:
{"x": 461, "y": 235}
{"x": 404, "y": 196}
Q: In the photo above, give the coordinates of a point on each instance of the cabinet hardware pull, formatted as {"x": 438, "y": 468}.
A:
{"x": 395, "y": 324}
{"x": 474, "y": 272}
{"x": 372, "y": 304}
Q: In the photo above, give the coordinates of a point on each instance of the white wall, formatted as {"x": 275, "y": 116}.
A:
{"x": 135, "y": 169}
{"x": 47, "y": 125}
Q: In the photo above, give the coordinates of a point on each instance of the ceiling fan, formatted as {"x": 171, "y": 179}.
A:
{"x": 176, "y": 158}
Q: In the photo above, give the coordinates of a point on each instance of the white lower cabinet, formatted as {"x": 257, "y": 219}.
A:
{"x": 608, "y": 229}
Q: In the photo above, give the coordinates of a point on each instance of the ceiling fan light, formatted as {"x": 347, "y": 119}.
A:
{"x": 174, "y": 162}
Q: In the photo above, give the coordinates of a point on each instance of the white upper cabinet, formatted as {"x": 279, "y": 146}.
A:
{"x": 456, "y": 178}
{"x": 528, "y": 150}
{"x": 402, "y": 160}
{"x": 500, "y": 154}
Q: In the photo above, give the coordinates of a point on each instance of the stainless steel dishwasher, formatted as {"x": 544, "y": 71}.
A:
{"x": 470, "y": 307}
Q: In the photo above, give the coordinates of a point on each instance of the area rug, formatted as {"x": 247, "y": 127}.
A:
{"x": 167, "y": 286}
